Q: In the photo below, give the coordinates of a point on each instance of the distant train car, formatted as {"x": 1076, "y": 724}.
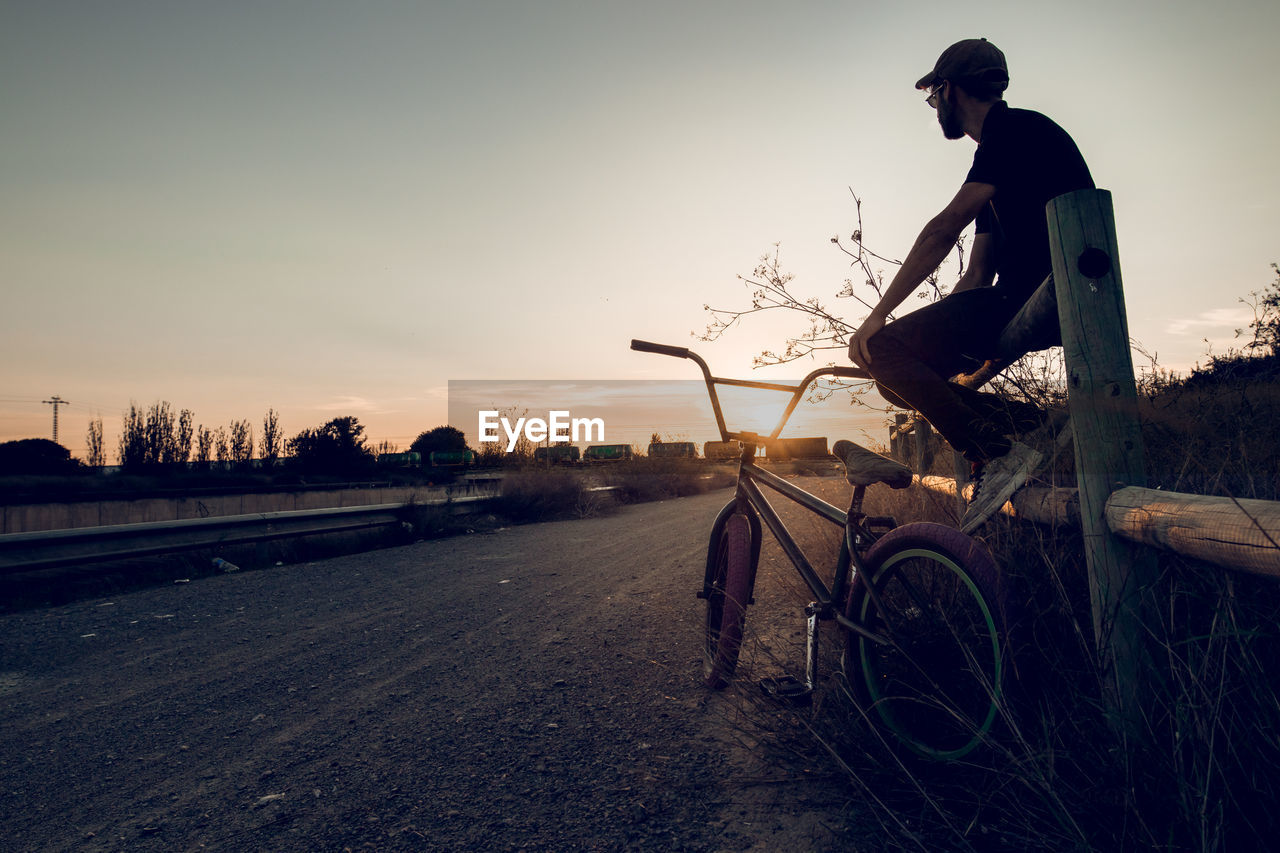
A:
{"x": 782, "y": 449}
{"x": 673, "y": 450}
{"x": 722, "y": 450}
{"x": 607, "y": 453}
{"x": 452, "y": 458}
{"x": 558, "y": 454}
{"x": 409, "y": 459}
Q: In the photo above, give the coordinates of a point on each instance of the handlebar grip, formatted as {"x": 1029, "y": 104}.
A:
{"x": 660, "y": 349}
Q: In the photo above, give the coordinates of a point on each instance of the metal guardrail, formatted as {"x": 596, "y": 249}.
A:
{"x": 48, "y": 549}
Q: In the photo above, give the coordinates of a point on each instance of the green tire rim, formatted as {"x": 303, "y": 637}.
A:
{"x": 883, "y": 709}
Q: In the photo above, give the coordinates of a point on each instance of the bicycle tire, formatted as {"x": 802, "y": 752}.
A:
{"x": 727, "y": 599}
{"x": 937, "y": 687}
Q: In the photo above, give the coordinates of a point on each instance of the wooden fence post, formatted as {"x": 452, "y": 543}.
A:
{"x": 897, "y": 441}
{"x": 923, "y": 455}
{"x": 1108, "y": 440}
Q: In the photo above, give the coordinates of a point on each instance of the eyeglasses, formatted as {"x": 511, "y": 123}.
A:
{"x": 932, "y": 100}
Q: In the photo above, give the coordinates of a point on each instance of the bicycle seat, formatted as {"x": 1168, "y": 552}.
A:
{"x": 864, "y": 467}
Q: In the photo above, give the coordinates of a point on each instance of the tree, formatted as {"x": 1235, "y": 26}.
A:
{"x": 155, "y": 439}
{"x": 96, "y": 456}
{"x": 34, "y": 456}
{"x": 204, "y": 446}
{"x": 183, "y": 450}
{"x": 272, "y": 442}
{"x": 133, "y": 440}
{"x": 161, "y": 435}
{"x": 495, "y": 452}
{"x": 221, "y": 447}
{"x": 439, "y": 440}
{"x": 241, "y": 443}
{"x": 338, "y": 447}
{"x": 1266, "y": 316}
{"x": 1039, "y": 377}
{"x": 772, "y": 290}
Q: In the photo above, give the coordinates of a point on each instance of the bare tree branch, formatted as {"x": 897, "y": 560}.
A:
{"x": 771, "y": 288}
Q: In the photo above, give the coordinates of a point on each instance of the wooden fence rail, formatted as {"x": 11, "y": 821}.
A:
{"x": 1235, "y": 533}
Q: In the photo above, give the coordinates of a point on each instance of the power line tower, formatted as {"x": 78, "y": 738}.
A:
{"x": 56, "y": 402}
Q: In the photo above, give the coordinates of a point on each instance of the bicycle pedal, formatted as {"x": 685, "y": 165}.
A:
{"x": 787, "y": 688}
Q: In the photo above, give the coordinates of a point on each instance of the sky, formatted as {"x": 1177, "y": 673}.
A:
{"x": 332, "y": 209}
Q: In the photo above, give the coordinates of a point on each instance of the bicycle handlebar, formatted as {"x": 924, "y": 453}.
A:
{"x": 660, "y": 349}
{"x": 796, "y": 391}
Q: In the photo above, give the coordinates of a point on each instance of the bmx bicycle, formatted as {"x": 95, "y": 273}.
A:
{"x": 921, "y": 606}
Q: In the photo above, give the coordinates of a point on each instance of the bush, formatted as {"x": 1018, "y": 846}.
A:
{"x": 338, "y": 447}
{"x": 35, "y": 456}
{"x": 442, "y": 438}
{"x": 661, "y": 479}
{"x": 1213, "y": 432}
{"x": 533, "y": 495}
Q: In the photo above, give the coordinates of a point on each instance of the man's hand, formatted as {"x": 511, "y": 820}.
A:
{"x": 858, "y": 353}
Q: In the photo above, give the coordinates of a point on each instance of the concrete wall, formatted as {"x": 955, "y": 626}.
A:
{"x": 60, "y": 516}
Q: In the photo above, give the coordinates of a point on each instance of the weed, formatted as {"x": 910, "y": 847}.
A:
{"x": 1058, "y": 777}
{"x": 532, "y": 495}
{"x": 662, "y": 479}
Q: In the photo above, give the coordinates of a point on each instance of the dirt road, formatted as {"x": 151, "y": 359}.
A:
{"x": 535, "y": 688}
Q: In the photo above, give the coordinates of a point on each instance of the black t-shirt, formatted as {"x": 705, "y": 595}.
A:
{"x": 1030, "y": 161}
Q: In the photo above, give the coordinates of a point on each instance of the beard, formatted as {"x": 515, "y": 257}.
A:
{"x": 948, "y": 118}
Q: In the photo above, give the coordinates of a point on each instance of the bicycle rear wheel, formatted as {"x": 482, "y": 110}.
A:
{"x": 936, "y": 686}
{"x": 727, "y": 598}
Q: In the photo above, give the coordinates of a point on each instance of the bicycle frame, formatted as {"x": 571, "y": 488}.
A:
{"x": 928, "y": 662}
{"x": 858, "y": 536}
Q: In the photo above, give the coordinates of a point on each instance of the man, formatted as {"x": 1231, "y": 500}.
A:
{"x": 1023, "y": 161}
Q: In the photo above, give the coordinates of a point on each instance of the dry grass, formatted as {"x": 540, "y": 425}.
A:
{"x": 537, "y": 493}
{"x": 1215, "y": 435}
{"x": 1059, "y": 778}
{"x": 540, "y": 494}
{"x": 661, "y": 479}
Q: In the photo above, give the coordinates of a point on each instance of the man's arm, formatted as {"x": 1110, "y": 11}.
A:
{"x": 930, "y": 249}
{"x": 982, "y": 264}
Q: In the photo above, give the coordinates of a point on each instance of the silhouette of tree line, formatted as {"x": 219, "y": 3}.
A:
{"x": 161, "y": 439}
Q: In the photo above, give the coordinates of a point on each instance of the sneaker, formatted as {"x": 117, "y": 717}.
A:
{"x": 1054, "y": 432}
{"x": 996, "y": 482}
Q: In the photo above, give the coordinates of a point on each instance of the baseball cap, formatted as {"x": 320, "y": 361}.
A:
{"x": 968, "y": 58}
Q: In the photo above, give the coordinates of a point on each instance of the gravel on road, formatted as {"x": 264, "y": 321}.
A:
{"x": 532, "y": 688}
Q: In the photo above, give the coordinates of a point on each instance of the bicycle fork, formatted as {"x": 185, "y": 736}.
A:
{"x": 815, "y": 612}
{"x": 811, "y": 612}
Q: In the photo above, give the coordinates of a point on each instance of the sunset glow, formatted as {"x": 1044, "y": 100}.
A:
{"x": 333, "y": 209}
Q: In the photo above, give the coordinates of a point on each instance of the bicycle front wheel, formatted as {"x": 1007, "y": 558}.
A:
{"x": 727, "y": 598}
{"x": 935, "y": 686}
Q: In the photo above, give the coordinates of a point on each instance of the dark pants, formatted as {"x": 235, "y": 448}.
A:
{"x": 913, "y": 357}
